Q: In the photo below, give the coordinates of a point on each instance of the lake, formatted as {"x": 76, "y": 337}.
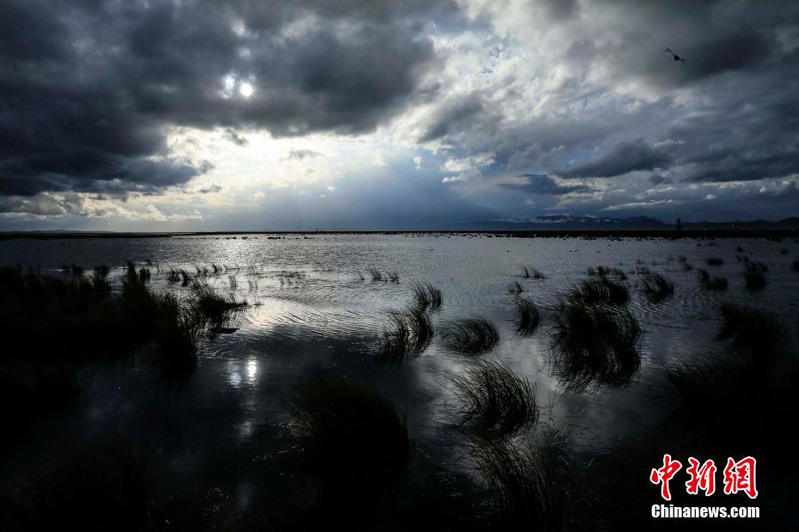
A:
{"x": 216, "y": 438}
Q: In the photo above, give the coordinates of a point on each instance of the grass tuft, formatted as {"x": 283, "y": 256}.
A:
{"x": 601, "y": 290}
{"x": 595, "y": 345}
{"x": 214, "y": 308}
{"x": 532, "y": 272}
{"x": 528, "y": 317}
{"x": 523, "y": 482}
{"x": 351, "y": 439}
{"x": 604, "y": 271}
{"x": 409, "y": 334}
{"x": 711, "y": 282}
{"x": 496, "y": 403}
{"x": 754, "y": 274}
{"x": 473, "y": 335}
{"x": 657, "y": 287}
{"x": 426, "y": 296}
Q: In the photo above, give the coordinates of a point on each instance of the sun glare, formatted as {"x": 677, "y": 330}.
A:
{"x": 246, "y": 90}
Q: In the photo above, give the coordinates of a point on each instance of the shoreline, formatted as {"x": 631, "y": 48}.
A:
{"x": 671, "y": 234}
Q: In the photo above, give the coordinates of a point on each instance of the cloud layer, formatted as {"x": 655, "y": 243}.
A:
{"x": 495, "y": 107}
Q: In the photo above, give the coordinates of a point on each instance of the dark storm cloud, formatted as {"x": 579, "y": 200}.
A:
{"x": 657, "y": 179}
{"x": 623, "y": 158}
{"x": 450, "y": 116}
{"x": 88, "y": 89}
{"x": 543, "y": 185}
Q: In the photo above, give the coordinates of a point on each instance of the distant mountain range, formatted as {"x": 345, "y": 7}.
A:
{"x": 563, "y": 222}
{"x": 554, "y": 222}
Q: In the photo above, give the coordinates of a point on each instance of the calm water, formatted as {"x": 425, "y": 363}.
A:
{"x": 227, "y": 421}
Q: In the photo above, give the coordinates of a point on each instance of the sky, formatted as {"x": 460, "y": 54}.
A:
{"x": 189, "y": 115}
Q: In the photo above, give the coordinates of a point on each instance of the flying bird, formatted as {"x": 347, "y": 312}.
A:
{"x": 676, "y": 57}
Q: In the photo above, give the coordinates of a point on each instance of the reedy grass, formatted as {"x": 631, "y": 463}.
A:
{"x": 598, "y": 290}
{"x": 711, "y": 282}
{"x": 515, "y": 288}
{"x": 686, "y": 266}
{"x": 594, "y": 344}
{"x": 473, "y": 336}
{"x": 350, "y": 438}
{"x": 409, "y": 333}
{"x": 495, "y": 402}
{"x": 528, "y": 317}
{"x": 656, "y": 287}
{"x": 604, "y": 271}
{"x": 214, "y": 308}
{"x": 532, "y": 272}
{"x": 523, "y": 482}
{"x": 426, "y": 296}
{"x": 80, "y": 320}
{"x": 754, "y": 274}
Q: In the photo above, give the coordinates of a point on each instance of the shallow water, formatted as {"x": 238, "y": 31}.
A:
{"x": 233, "y": 410}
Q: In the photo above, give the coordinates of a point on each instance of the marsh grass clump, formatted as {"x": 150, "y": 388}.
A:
{"x": 686, "y": 266}
{"x": 100, "y": 488}
{"x": 376, "y": 275}
{"x": 712, "y": 282}
{"x": 409, "y": 333}
{"x": 350, "y": 438}
{"x": 291, "y": 278}
{"x": 473, "y": 336}
{"x": 216, "y": 309}
{"x": 172, "y": 276}
{"x": 532, "y": 272}
{"x": 515, "y": 288}
{"x": 393, "y": 277}
{"x": 102, "y": 271}
{"x": 528, "y": 317}
{"x": 604, "y": 271}
{"x": 78, "y": 321}
{"x": 426, "y": 296}
{"x": 595, "y": 344}
{"x": 144, "y": 275}
{"x": 715, "y": 261}
{"x": 495, "y": 402}
{"x": 656, "y": 287}
{"x": 751, "y": 329}
{"x": 527, "y": 491}
{"x": 754, "y": 274}
{"x": 598, "y": 290}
